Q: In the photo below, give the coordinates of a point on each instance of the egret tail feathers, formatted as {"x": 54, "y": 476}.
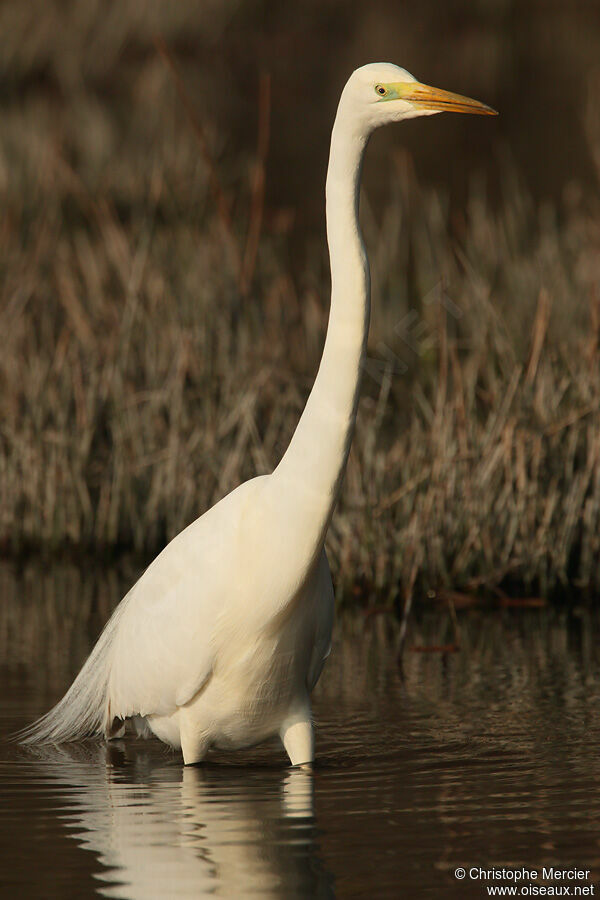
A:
{"x": 84, "y": 709}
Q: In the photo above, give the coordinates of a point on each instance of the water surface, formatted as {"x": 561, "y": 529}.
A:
{"x": 487, "y": 757}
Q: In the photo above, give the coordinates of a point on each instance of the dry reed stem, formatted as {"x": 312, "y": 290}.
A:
{"x": 136, "y": 390}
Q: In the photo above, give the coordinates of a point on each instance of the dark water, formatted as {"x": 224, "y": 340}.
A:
{"x": 483, "y": 758}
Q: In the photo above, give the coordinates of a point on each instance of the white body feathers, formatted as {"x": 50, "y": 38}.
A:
{"x": 210, "y": 654}
{"x": 224, "y": 636}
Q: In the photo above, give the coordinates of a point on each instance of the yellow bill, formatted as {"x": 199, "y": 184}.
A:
{"x": 427, "y": 97}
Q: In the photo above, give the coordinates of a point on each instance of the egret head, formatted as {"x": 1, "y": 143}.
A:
{"x": 381, "y": 92}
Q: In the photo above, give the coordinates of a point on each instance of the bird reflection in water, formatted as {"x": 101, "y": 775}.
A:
{"x": 160, "y": 830}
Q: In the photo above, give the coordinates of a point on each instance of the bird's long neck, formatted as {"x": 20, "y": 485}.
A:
{"x": 313, "y": 466}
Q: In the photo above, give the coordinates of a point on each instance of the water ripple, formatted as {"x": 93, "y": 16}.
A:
{"x": 486, "y": 758}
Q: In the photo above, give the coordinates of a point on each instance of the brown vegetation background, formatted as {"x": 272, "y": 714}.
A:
{"x": 165, "y": 288}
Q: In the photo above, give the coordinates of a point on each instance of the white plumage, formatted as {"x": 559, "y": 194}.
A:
{"x": 222, "y": 639}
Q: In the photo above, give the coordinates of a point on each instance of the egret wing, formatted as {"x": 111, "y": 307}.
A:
{"x": 164, "y": 649}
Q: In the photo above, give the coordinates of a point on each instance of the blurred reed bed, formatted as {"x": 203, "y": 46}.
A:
{"x": 160, "y": 342}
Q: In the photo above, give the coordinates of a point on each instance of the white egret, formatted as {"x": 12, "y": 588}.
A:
{"x": 224, "y": 636}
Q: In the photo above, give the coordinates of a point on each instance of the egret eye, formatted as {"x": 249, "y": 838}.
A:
{"x": 381, "y": 90}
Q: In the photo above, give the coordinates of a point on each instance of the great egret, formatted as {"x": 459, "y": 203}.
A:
{"x": 224, "y": 636}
